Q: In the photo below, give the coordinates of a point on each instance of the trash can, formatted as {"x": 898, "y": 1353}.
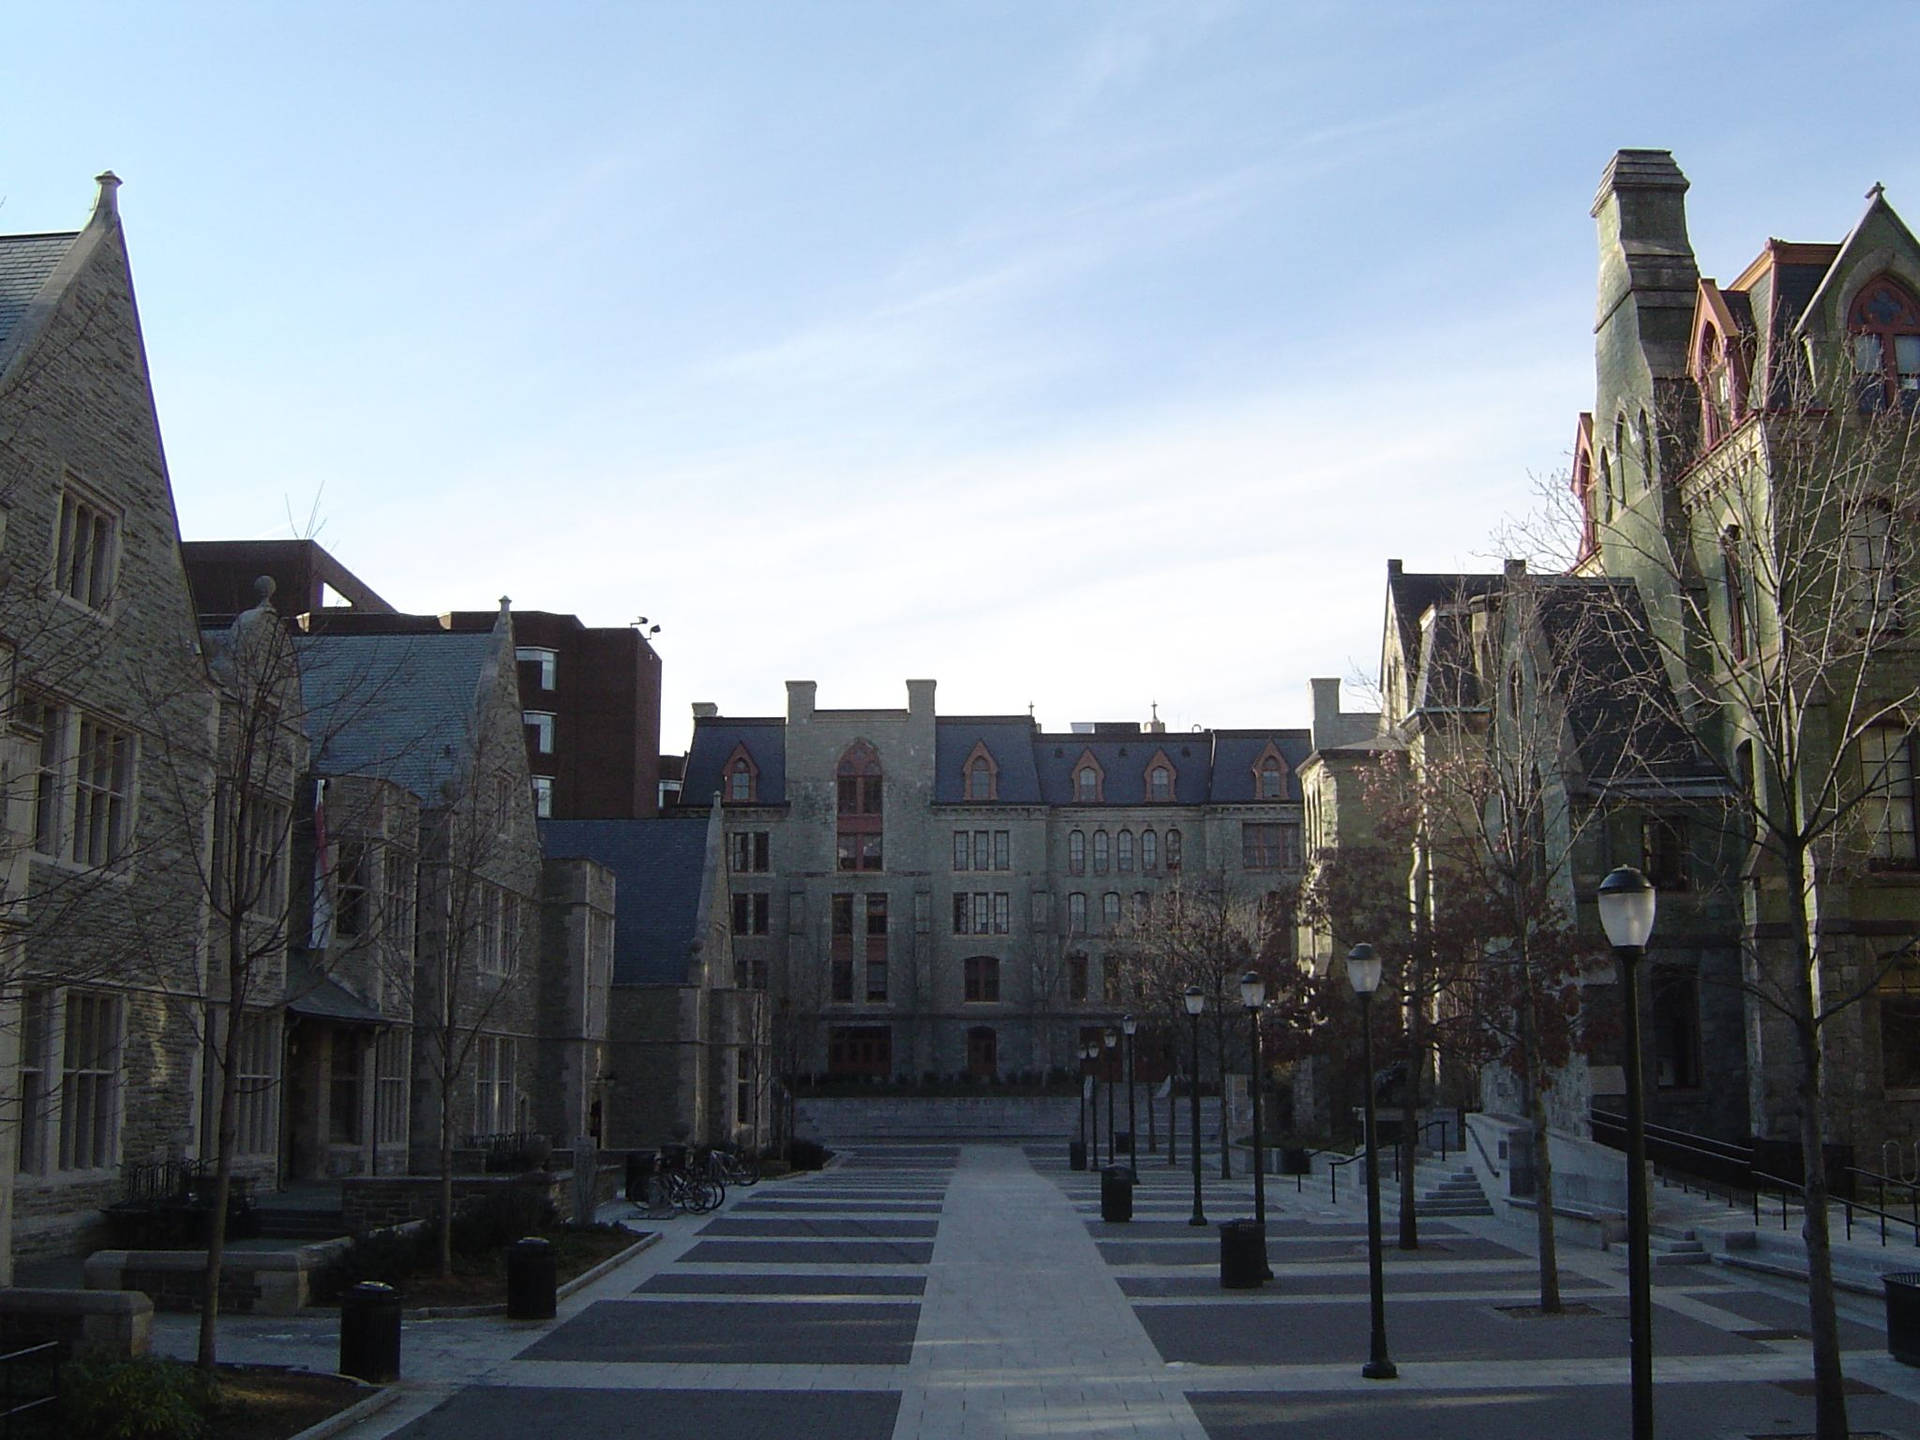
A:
{"x": 370, "y": 1332}
{"x": 1076, "y": 1155}
{"x": 1243, "y": 1254}
{"x": 639, "y": 1167}
{"x": 530, "y": 1280}
{"x": 1903, "y": 1316}
{"x": 1123, "y": 1142}
{"x": 1116, "y": 1193}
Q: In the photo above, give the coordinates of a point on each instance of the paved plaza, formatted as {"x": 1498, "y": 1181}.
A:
{"x": 963, "y": 1292}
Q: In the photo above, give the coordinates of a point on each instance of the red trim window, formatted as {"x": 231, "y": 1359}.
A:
{"x": 982, "y": 776}
{"x": 1160, "y": 778}
{"x": 859, "y": 820}
{"x": 1089, "y": 780}
{"x": 1270, "y": 774}
{"x": 740, "y": 778}
{"x": 1884, "y": 322}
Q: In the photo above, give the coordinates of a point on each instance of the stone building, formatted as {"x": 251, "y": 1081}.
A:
{"x": 941, "y": 896}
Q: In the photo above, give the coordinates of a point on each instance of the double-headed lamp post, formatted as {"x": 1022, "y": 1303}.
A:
{"x": 1363, "y": 969}
{"x": 1110, "y": 1039}
{"x": 1626, "y": 911}
{"x": 1196, "y": 1000}
{"x": 1253, "y": 994}
{"x": 1090, "y": 1052}
{"x": 1127, "y": 1027}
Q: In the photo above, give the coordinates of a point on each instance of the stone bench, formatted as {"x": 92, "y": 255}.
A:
{"x": 252, "y": 1282}
{"x": 118, "y": 1322}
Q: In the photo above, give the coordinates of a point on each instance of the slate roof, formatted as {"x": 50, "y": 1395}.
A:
{"x": 1010, "y": 740}
{"x": 25, "y": 263}
{"x": 399, "y": 707}
{"x": 658, "y": 866}
{"x": 1234, "y": 754}
{"x": 1447, "y": 679}
{"x": 1411, "y": 596}
{"x": 715, "y": 740}
{"x": 319, "y": 996}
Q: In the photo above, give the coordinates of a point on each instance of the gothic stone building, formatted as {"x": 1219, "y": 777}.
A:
{"x": 933, "y": 895}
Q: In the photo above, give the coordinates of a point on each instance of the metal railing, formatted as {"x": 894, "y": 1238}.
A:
{"x": 29, "y": 1382}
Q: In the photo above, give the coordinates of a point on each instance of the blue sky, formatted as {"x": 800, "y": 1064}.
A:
{"x": 1083, "y": 355}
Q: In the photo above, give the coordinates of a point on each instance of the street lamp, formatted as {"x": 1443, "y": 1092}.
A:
{"x": 1090, "y": 1052}
{"x": 1363, "y": 970}
{"x": 1127, "y": 1027}
{"x": 1626, "y": 911}
{"x": 1253, "y": 994}
{"x": 1110, "y": 1040}
{"x": 1080, "y": 1054}
{"x": 1196, "y": 1002}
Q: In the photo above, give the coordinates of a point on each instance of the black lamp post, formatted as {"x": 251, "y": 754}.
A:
{"x": 1127, "y": 1027}
{"x": 1253, "y": 994}
{"x": 1196, "y": 1002}
{"x": 1081, "y": 1056}
{"x": 1626, "y": 911}
{"x": 1363, "y": 969}
{"x": 1110, "y": 1039}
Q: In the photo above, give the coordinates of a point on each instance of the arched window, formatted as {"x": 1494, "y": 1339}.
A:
{"x": 1716, "y": 390}
{"x": 1110, "y": 911}
{"x": 1149, "y": 851}
{"x": 1086, "y": 782}
{"x": 1101, "y": 852}
{"x": 740, "y": 778}
{"x": 1123, "y": 852}
{"x": 1142, "y": 909}
{"x": 1160, "y": 784}
{"x": 1272, "y": 781}
{"x": 1736, "y": 586}
{"x": 860, "y": 795}
{"x": 1077, "y": 913}
{"x": 1173, "y": 849}
{"x": 982, "y": 775}
{"x": 1885, "y": 325}
{"x": 1077, "y": 852}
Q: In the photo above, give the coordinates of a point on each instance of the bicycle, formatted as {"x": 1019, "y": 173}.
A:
{"x": 732, "y": 1169}
{"x": 674, "y": 1187}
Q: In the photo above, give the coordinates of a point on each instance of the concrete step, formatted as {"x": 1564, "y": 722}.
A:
{"x": 1670, "y": 1245}
{"x": 292, "y": 1224}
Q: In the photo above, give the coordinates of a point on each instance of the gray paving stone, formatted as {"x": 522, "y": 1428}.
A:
{"x": 694, "y": 1332}
{"x": 1351, "y": 1282}
{"x": 799, "y": 1227}
{"x": 810, "y": 1252}
{"x": 502, "y": 1413}
{"x": 702, "y": 1283}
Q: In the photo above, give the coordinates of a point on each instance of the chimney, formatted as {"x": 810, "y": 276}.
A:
{"x": 920, "y": 697}
{"x": 800, "y": 701}
{"x": 1515, "y": 569}
{"x": 1326, "y": 710}
{"x": 106, "y": 204}
{"x": 705, "y": 710}
{"x": 1640, "y": 213}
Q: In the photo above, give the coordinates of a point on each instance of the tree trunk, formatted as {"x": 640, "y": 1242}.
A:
{"x": 446, "y": 1177}
{"x": 1409, "y": 1131}
{"x": 1173, "y": 1118}
{"x": 206, "y": 1356}
{"x": 1226, "y": 1126}
{"x": 1542, "y": 1165}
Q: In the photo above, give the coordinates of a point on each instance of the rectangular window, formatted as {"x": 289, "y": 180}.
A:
{"x": 1002, "y": 912}
{"x": 1664, "y": 838}
{"x": 396, "y": 900}
{"x": 962, "y": 850}
{"x": 751, "y": 913}
{"x": 1886, "y": 806}
{"x": 268, "y": 824}
{"x": 1077, "y": 913}
{"x": 543, "y": 797}
{"x": 1875, "y": 587}
{"x": 750, "y": 852}
{"x": 1260, "y": 846}
{"x": 89, "y": 1082}
{"x": 982, "y": 976}
{"x": 47, "y": 787}
{"x": 860, "y": 1050}
{"x": 1002, "y": 850}
{"x": 254, "y": 1073}
{"x": 1039, "y": 911}
{"x": 1290, "y": 847}
{"x": 1077, "y": 978}
{"x": 962, "y": 913}
{"x": 876, "y": 980}
{"x": 86, "y": 557}
{"x": 982, "y": 850}
{"x": 982, "y": 913}
{"x": 493, "y": 1088}
{"x": 102, "y": 792}
{"x": 537, "y": 667}
{"x": 36, "y": 1053}
{"x": 1110, "y": 911}
{"x": 1676, "y": 1028}
{"x": 1900, "y": 1035}
{"x": 390, "y": 1087}
{"x": 539, "y": 727}
{"x": 842, "y": 956}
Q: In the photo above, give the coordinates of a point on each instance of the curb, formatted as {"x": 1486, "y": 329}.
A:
{"x": 561, "y": 1292}
{"x": 346, "y": 1419}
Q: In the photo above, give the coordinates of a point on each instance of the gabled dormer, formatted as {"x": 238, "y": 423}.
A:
{"x": 1270, "y": 774}
{"x": 1720, "y": 359}
{"x": 1161, "y": 780}
{"x": 1089, "y": 779}
{"x": 980, "y": 774}
{"x": 740, "y": 777}
{"x": 1867, "y": 309}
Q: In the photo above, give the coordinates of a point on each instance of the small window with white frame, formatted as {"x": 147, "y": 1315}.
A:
{"x": 539, "y": 665}
{"x": 543, "y": 796}
{"x": 539, "y": 725}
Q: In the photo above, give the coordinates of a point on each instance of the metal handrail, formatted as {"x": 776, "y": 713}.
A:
{"x": 1481, "y": 1146}
{"x": 1333, "y": 1172}
{"x": 10, "y": 1405}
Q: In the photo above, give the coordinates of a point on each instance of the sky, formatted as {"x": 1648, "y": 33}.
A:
{"x": 1093, "y": 357}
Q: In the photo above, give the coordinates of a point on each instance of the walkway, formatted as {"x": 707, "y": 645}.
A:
{"x": 942, "y": 1292}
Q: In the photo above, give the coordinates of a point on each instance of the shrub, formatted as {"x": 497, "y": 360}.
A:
{"x": 497, "y": 1219}
{"x": 144, "y": 1399}
{"x": 390, "y": 1255}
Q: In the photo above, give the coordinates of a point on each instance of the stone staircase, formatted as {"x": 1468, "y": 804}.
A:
{"x": 291, "y": 1223}
{"x": 1671, "y": 1245}
{"x": 1458, "y": 1194}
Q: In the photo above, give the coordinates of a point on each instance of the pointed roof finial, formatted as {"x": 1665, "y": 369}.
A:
{"x": 106, "y": 203}
{"x": 506, "y": 603}
{"x": 1877, "y": 191}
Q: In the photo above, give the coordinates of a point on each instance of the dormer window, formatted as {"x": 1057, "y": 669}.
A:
{"x": 982, "y": 775}
{"x": 740, "y": 778}
{"x": 1089, "y": 780}
{"x": 1159, "y": 779}
{"x": 1270, "y": 774}
{"x": 1885, "y": 325}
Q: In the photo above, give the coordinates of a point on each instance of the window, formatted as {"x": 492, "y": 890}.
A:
{"x": 877, "y": 977}
{"x": 36, "y": 1055}
{"x": 1110, "y": 911}
{"x": 1173, "y": 849}
{"x": 743, "y": 1106}
{"x": 982, "y": 850}
{"x": 860, "y": 797}
{"x": 1002, "y": 850}
{"x": 352, "y": 896}
{"x": 101, "y": 795}
{"x": 860, "y": 1050}
{"x": 1734, "y": 577}
{"x": 962, "y": 913}
{"x": 1039, "y": 911}
{"x": 842, "y": 958}
{"x": 1874, "y": 587}
{"x": 1886, "y": 806}
{"x": 1272, "y": 782}
{"x": 1076, "y": 913}
{"x": 1676, "y": 1028}
{"x": 255, "y": 1100}
{"x": 390, "y": 1087}
{"x": 962, "y": 850}
{"x": 89, "y": 1082}
{"x": 1720, "y": 398}
{"x": 1885, "y": 324}
{"x": 1002, "y": 912}
{"x": 1076, "y": 852}
{"x": 537, "y": 666}
{"x": 1123, "y": 852}
{"x": 1077, "y": 978}
{"x": 1102, "y": 847}
{"x": 1142, "y": 909}
{"x": 1149, "y": 851}
{"x": 1899, "y": 1039}
{"x": 750, "y": 911}
{"x": 749, "y": 851}
{"x": 1086, "y": 784}
{"x": 87, "y": 555}
{"x": 1664, "y": 839}
{"x": 502, "y": 803}
{"x": 982, "y": 980}
{"x": 1160, "y": 784}
{"x": 740, "y": 778}
{"x": 543, "y": 796}
{"x": 493, "y": 1091}
{"x": 1259, "y": 846}
{"x": 396, "y": 899}
{"x": 539, "y": 727}
{"x": 983, "y": 1052}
